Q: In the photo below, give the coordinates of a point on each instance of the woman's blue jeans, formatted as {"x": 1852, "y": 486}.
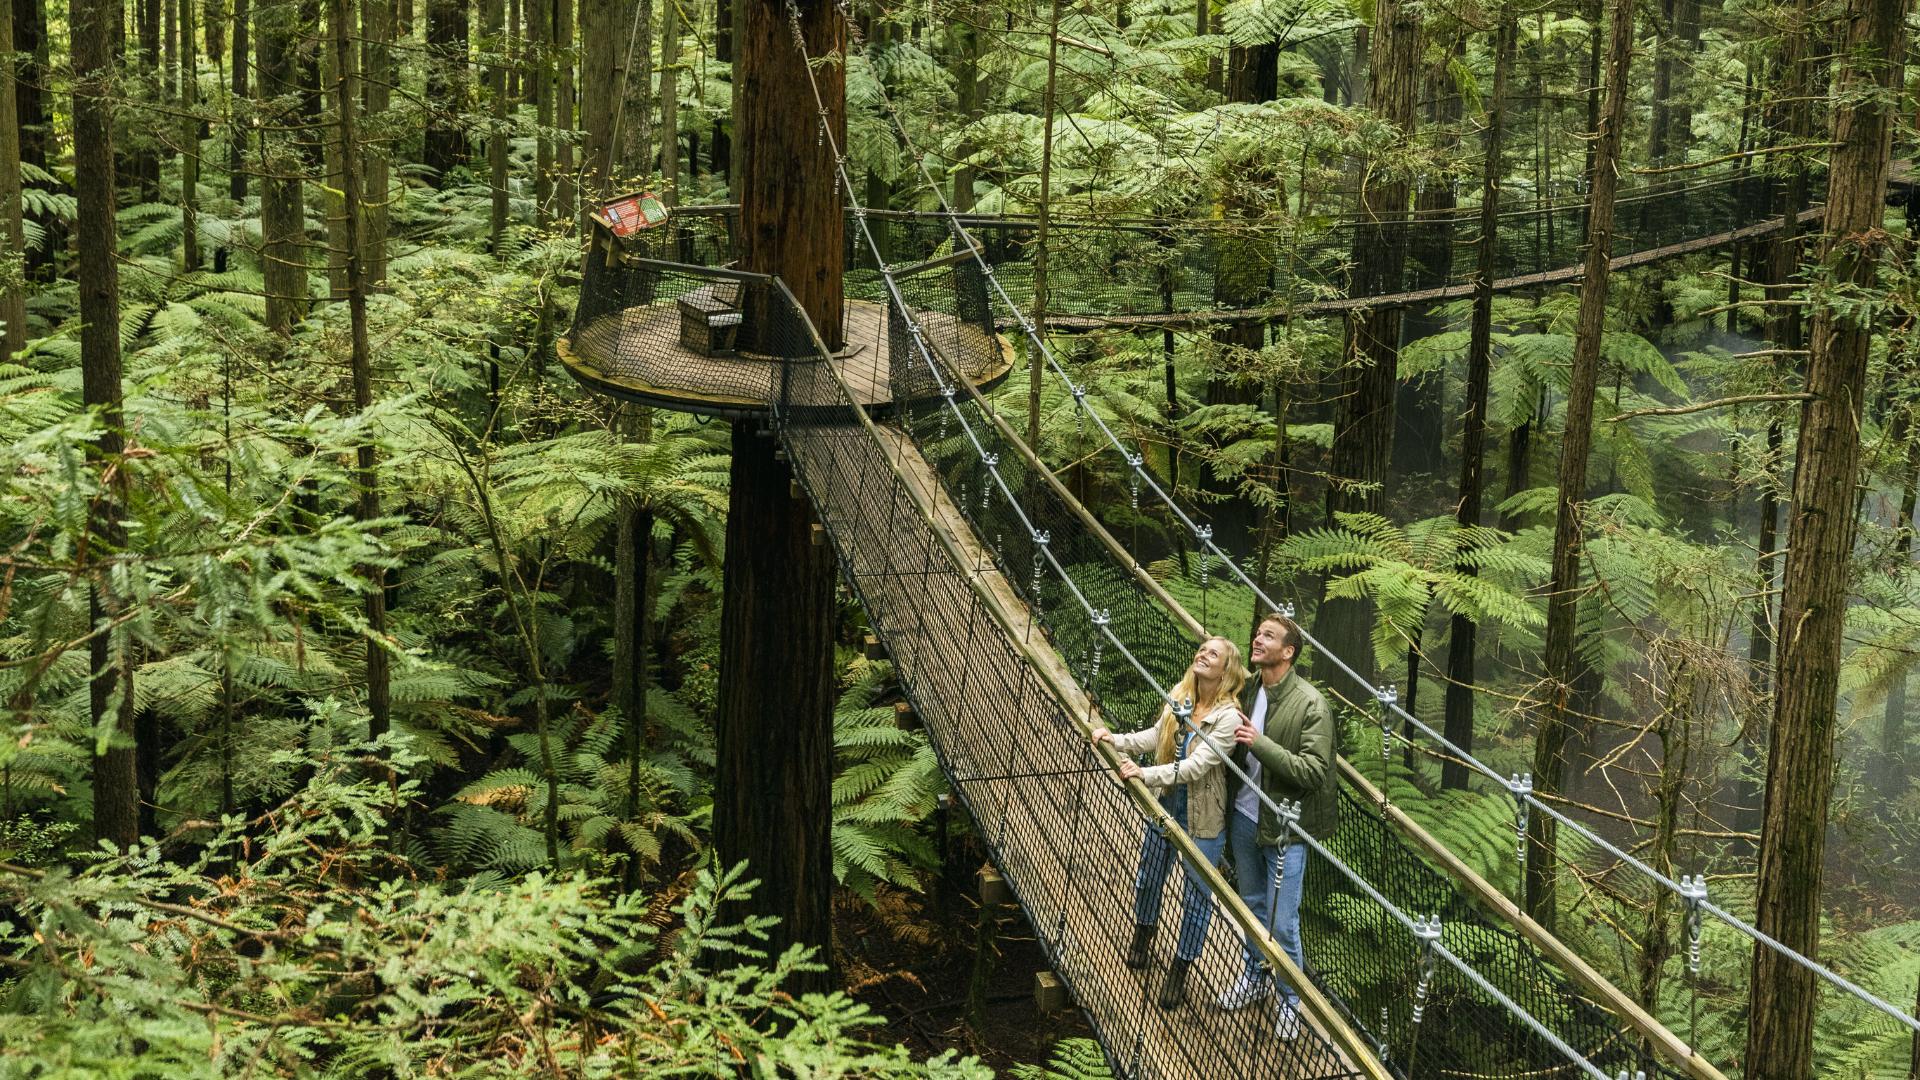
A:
{"x": 1254, "y": 868}
{"x": 1156, "y": 860}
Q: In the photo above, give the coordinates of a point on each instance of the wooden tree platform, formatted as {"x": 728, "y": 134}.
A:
{"x": 636, "y": 355}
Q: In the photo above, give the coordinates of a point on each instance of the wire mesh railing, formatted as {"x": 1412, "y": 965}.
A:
{"x": 1166, "y": 268}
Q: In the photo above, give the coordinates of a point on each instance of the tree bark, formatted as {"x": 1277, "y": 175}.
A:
{"x": 540, "y": 47}
{"x": 377, "y": 18}
{"x": 635, "y": 75}
{"x": 564, "y": 92}
{"x": 774, "y": 747}
{"x": 446, "y": 56}
{"x": 13, "y": 295}
{"x": 790, "y": 205}
{"x": 282, "y": 203}
{"x": 493, "y": 12}
{"x": 116, "y": 785}
{"x": 366, "y": 471}
{"x": 1363, "y": 419}
{"x": 1473, "y": 432}
{"x": 1563, "y": 590}
{"x": 30, "y": 110}
{"x": 1048, "y": 100}
{"x": 670, "y": 100}
{"x": 1813, "y": 597}
{"x": 601, "y": 65}
{"x": 189, "y": 137}
{"x": 775, "y": 731}
{"x": 967, "y": 99}
{"x": 1671, "y": 131}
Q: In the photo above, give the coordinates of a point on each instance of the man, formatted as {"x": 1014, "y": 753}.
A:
{"x": 1286, "y": 746}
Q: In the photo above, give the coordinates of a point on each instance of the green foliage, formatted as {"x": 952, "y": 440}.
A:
{"x": 330, "y": 953}
{"x": 1072, "y": 1059}
{"x": 886, "y": 781}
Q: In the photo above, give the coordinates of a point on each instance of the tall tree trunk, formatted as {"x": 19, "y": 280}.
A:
{"x": 1420, "y": 411}
{"x": 568, "y": 194}
{"x": 967, "y": 98}
{"x": 602, "y": 48}
{"x": 493, "y": 12}
{"x": 366, "y": 471}
{"x": 116, "y": 786}
{"x": 632, "y": 539}
{"x": 635, "y": 75}
{"x": 30, "y": 110}
{"x": 1888, "y": 775}
{"x": 670, "y": 100}
{"x": 446, "y": 56}
{"x": 1813, "y": 596}
{"x": 282, "y": 203}
{"x": 540, "y": 48}
{"x": 1473, "y": 432}
{"x": 189, "y": 137}
{"x": 13, "y": 294}
{"x": 243, "y": 61}
{"x": 1677, "y": 40}
{"x": 1035, "y": 362}
{"x": 778, "y": 613}
{"x": 377, "y": 21}
{"x": 1789, "y": 120}
{"x": 1563, "y": 590}
{"x": 1363, "y": 420}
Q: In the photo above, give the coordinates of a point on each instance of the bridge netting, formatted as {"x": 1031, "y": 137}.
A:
{"x": 1154, "y": 268}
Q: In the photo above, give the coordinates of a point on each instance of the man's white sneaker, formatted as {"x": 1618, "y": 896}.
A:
{"x": 1246, "y": 990}
{"x": 1288, "y": 1029}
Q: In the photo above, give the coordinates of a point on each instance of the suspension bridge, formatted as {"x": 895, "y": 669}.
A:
{"x": 1017, "y": 621}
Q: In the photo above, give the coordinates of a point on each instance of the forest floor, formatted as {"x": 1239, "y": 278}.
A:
{"x": 911, "y": 959}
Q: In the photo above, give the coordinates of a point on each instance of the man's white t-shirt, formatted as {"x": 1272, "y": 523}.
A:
{"x": 1248, "y": 801}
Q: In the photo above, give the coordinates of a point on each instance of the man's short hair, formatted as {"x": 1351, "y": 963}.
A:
{"x": 1288, "y": 627}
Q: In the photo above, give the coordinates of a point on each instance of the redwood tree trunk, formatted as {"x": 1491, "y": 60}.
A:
{"x": 1822, "y": 523}
{"x": 774, "y": 745}
{"x": 790, "y": 207}
{"x": 1363, "y": 421}
{"x": 1563, "y": 590}
{"x": 116, "y": 786}
{"x": 1473, "y": 433}
{"x": 282, "y": 202}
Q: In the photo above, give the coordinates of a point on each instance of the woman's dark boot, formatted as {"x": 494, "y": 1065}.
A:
{"x": 1173, "y": 992}
{"x": 1137, "y": 952}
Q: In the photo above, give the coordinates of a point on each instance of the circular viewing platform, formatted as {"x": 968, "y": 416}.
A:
{"x": 720, "y": 342}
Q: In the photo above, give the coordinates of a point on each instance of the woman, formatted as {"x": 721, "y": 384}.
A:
{"x": 1192, "y": 785}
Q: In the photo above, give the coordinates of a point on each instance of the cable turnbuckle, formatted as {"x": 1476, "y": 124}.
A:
{"x": 1386, "y": 696}
{"x": 1520, "y": 785}
{"x": 1427, "y": 932}
{"x": 1694, "y": 891}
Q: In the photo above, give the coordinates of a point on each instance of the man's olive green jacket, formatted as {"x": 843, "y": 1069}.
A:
{"x": 1296, "y": 755}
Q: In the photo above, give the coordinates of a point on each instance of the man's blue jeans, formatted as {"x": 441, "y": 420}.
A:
{"x": 1157, "y": 857}
{"x": 1253, "y": 871}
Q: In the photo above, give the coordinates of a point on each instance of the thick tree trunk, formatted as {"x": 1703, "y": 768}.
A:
{"x": 634, "y": 73}
{"x": 967, "y": 98}
{"x": 189, "y": 137}
{"x": 377, "y": 22}
{"x": 282, "y": 203}
{"x": 493, "y": 12}
{"x": 30, "y": 109}
{"x": 540, "y": 47}
{"x": 1420, "y": 411}
{"x": 116, "y": 786}
{"x": 775, "y": 737}
{"x": 13, "y": 243}
{"x": 243, "y": 61}
{"x": 564, "y": 90}
{"x": 1563, "y": 590}
{"x": 790, "y": 205}
{"x": 601, "y": 64}
{"x": 1813, "y": 597}
{"x": 1473, "y": 432}
{"x": 1363, "y": 419}
{"x": 670, "y": 101}
{"x": 1036, "y": 374}
{"x": 774, "y": 748}
{"x": 1887, "y": 774}
{"x": 446, "y": 57}
{"x": 366, "y": 471}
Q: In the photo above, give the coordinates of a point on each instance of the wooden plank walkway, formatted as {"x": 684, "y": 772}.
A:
{"x": 1564, "y": 275}
{"x": 1066, "y": 835}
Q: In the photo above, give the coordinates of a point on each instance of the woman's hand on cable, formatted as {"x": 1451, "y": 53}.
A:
{"x": 1129, "y": 768}
{"x": 1099, "y": 735}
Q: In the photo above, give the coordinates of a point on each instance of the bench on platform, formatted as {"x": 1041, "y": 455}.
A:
{"x": 710, "y": 318}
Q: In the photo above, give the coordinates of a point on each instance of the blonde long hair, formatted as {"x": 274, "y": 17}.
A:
{"x": 1228, "y": 689}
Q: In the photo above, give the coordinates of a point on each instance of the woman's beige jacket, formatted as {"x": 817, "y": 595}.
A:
{"x": 1200, "y": 770}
